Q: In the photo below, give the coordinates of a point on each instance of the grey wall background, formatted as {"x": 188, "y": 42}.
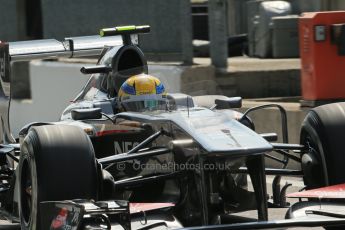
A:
{"x": 9, "y": 20}
{"x": 170, "y": 21}
{"x": 336, "y": 5}
{"x": 53, "y": 86}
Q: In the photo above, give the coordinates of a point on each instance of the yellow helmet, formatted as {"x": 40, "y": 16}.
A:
{"x": 142, "y": 92}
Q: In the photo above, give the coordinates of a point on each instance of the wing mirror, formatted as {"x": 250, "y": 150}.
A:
{"x": 85, "y": 114}
{"x": 185, "y": 143}
{"x": 229, "y": 103}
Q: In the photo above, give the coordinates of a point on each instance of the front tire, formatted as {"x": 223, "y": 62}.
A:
{"x": 57, "y": 162}
{"x": 323, "y": 131}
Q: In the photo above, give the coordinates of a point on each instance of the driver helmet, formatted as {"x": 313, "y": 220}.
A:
{"x": 141, "y": 93}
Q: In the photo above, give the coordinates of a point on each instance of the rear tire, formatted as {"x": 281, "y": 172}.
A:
{"x": 323, "y": 130}
{"x": 57, "y": 162}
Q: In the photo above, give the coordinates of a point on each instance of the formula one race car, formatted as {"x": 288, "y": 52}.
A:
{"x": 184, "y": 165}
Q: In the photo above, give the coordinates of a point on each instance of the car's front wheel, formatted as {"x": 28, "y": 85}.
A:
{"x": 323, "y": 132}
{"x": 57, "y": 162}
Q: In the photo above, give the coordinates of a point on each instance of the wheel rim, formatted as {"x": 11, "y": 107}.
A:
{"x": 26, "y": 192}
{"x": 320, "y": 175}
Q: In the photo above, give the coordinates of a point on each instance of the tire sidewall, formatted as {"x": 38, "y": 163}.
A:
{"x": 27, "y": 157}
{"x": 308, "y": 131}
{"x": 325, "y": 127}
{"x": 62, "y": 166}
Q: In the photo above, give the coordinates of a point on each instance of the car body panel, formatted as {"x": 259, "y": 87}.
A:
{"x": 329, "y": 192}
{"x": 214, "y": 131}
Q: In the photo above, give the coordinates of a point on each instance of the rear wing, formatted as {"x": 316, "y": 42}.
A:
{"x": 72, "y": 47}
{"x": 68, "y": 48}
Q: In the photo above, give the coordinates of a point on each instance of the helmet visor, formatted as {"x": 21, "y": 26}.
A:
{"x": 145, "y": 103}
{"x": 140, "y": 106}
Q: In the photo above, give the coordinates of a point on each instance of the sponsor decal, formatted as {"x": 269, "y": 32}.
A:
{"x": 60, "y": 221}
{"x": 61, "y": 215}
{"x": 124, "y": 146}
{"x": 110, "y": 132}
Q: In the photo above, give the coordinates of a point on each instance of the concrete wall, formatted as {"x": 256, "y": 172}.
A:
{"x": 300, "y": 6}
{"x": 336, "y": 5}
{"x": 170, "y": 21}
{"x": 10, "y": 21}
{"x": 52, "y": 88}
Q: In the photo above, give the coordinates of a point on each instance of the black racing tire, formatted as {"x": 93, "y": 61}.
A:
{"x": 323, "y": 130}
{"x": 57, "y": 162}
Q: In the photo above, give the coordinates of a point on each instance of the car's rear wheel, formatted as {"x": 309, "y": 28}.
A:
{"x": 323, "y": 131}
{"x": 57, "y": 162}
